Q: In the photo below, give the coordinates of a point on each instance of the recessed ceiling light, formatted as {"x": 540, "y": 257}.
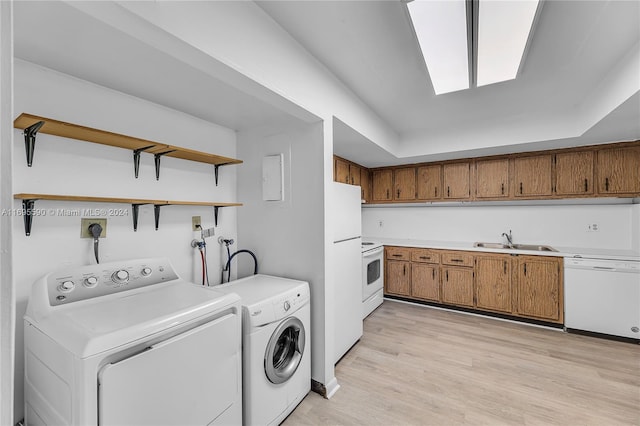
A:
{"x": 488, "y": 37}
{"x": 503, "y": 31}
{"x": 441, "y": 30}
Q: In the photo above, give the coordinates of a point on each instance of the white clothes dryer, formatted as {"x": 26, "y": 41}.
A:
{"x": 276, "y": 346}
{"x": 130, "y": 343}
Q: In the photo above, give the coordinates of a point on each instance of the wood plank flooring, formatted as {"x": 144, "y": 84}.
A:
{"x": 421, "y": 366}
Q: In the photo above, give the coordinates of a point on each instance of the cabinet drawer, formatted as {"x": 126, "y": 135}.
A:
{"x": 398, "y": 253}
{"x": 457, "y": 259}
{"x": 425, "y": 256}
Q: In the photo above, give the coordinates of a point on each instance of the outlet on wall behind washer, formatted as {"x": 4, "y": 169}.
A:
{"x": 196, "y": 222}
{"x": 84, "y": 226}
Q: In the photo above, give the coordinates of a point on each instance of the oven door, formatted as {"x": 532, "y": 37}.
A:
{"x": 372, "y": 272}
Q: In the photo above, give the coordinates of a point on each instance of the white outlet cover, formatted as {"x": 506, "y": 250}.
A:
{"x": 273, "y": 178}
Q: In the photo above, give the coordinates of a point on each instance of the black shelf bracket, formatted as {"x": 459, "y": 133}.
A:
{"x": 156, "y": 213}
{"x": 135, "y": 209}
{"x": 136, "y": 158}
{"x": 215, "y": 215}
{"x": 27, "y": 215}
{"x": 157, "y": 157}
{"x": 30, "y": 140}
{"x": 215, "y": 170}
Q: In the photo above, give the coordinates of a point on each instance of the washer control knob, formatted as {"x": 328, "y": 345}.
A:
{"x": 287, "y": 305}
{"x": 67, "y": 286}
{"x": 120, "y": 276}
{"x": 146, "y": 271}
{"x": 90, "y": 282}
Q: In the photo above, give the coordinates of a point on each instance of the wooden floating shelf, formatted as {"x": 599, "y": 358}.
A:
{"x": 31, "y": 124}
{"x": 28, "y": 203}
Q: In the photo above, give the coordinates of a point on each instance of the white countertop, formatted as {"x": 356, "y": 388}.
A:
{"x": 468, "y": 246}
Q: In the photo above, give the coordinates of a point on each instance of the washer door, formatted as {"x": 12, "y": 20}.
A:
{"x": 284, "y": 351}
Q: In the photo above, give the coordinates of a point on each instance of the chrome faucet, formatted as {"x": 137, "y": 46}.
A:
{"x": 509, "y": 238}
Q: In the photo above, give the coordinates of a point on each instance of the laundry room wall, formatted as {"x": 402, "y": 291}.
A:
{"x": 66, "y": 166}
{"x": 288, "y": 236}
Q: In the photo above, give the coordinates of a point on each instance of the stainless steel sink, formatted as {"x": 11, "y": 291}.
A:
{"x": 530, "y": 247}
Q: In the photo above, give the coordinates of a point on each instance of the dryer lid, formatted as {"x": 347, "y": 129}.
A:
{"x": 96, "y": 325}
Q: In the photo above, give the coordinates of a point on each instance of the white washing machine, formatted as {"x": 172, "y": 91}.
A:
{"x": 130, "y": 343}
{"x": 276, "y": 346}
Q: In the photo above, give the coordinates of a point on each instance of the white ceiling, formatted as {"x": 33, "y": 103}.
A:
{"x": 576, "y": 49}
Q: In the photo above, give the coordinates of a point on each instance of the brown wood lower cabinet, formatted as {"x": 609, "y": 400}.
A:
{"x": 493, "y": 282}
{"x": 516, "y": 285}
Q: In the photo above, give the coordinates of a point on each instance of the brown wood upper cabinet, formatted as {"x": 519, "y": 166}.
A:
{"x": 574, "y": 173}
{"x": 532, "y": 176}
{"x": 382, "y": 182}
{"x": 354, "y": 174}
{"x": 492, "y": 178}
{"x": 456, "y": 180}
{"x": 365, "y": 184}
{"x": 429, "y": 182}
{"x": 341, "y": 171}
{"x": 404, "y": 186}
{"x": 619, "y": 170}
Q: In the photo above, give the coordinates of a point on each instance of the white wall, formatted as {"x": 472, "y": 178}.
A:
{"x": 65, "y": 166}
{"x": 288, "y": 236}
{"x": 7, "y": 306}
{"x": 555, "y": 225}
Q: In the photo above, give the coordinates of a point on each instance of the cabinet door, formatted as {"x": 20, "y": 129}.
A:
{"x": 429, "y": 182}
{"x": 456, "y": 180}
{"x": 382, "y": 185}
{"x": 493, "y": 283}
{"x": 354, "y": 174}
{"x": 398, "y": 276}
{"x": 618, "y": 170}
{"x": 574, "y": 173}
{"x": 341, "y": 171}
{"x": 404, "y": 187}
{"x": 457, "y": 286}
{"x": 425, "y": 282}
{"x": 365, "y": 184}
{"x": 532, "y": 176}
{"x": 539, "y": 288}
{"x": 492, "y": 178}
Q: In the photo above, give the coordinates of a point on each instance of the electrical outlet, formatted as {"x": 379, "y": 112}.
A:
{"x": 84, "y": 226}
{"x": 593, "y": 227}
{"x": 380, "y": 224}
{"x": 196, "y": 222}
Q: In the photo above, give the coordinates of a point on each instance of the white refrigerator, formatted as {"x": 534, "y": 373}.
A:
{"x": 347, "y": 260}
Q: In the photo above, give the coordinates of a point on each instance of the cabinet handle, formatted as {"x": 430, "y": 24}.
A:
{"x": 396, "y": 255}
{"x": 525, "y": 269}
{"x": 586, "y": 185}
{"x": 387, "y": 194}
{"x": 447, "y": 275}
{"x": 433, "y": 273}
{"x": 505, "y": 266}
{"x": 425, "y": 257}
{"x": 520, "y": 187}
{"x": 606, "y": 184}
{"x": 404, "y": 269}
{"x": 457, "y": 260}
{"x": 398, "y": 193}
{"x": 436, "y": 191}
{"x": 448, "y": 192}
{"x": 502, "y": 188}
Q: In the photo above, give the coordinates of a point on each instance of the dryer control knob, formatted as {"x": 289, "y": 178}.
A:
{"x": 90, "y": 282}
{"x": 146, "y": 271}
{"x": 287, "y": 305}
{"x": 120, "y": 276}
{"x": 67, "y": 286}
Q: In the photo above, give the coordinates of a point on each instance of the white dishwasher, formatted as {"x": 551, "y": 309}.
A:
{"x": 602, "y": 296}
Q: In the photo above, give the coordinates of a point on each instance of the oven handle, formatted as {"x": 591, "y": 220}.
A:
{"x": 373, "y": 252}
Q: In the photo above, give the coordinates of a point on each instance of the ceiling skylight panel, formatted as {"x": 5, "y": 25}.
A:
{"x": 503, "y": 32}
{"x": 441, "y": 30}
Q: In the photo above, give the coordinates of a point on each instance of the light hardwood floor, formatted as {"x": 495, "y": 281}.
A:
{"x": 421, "y": 366}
